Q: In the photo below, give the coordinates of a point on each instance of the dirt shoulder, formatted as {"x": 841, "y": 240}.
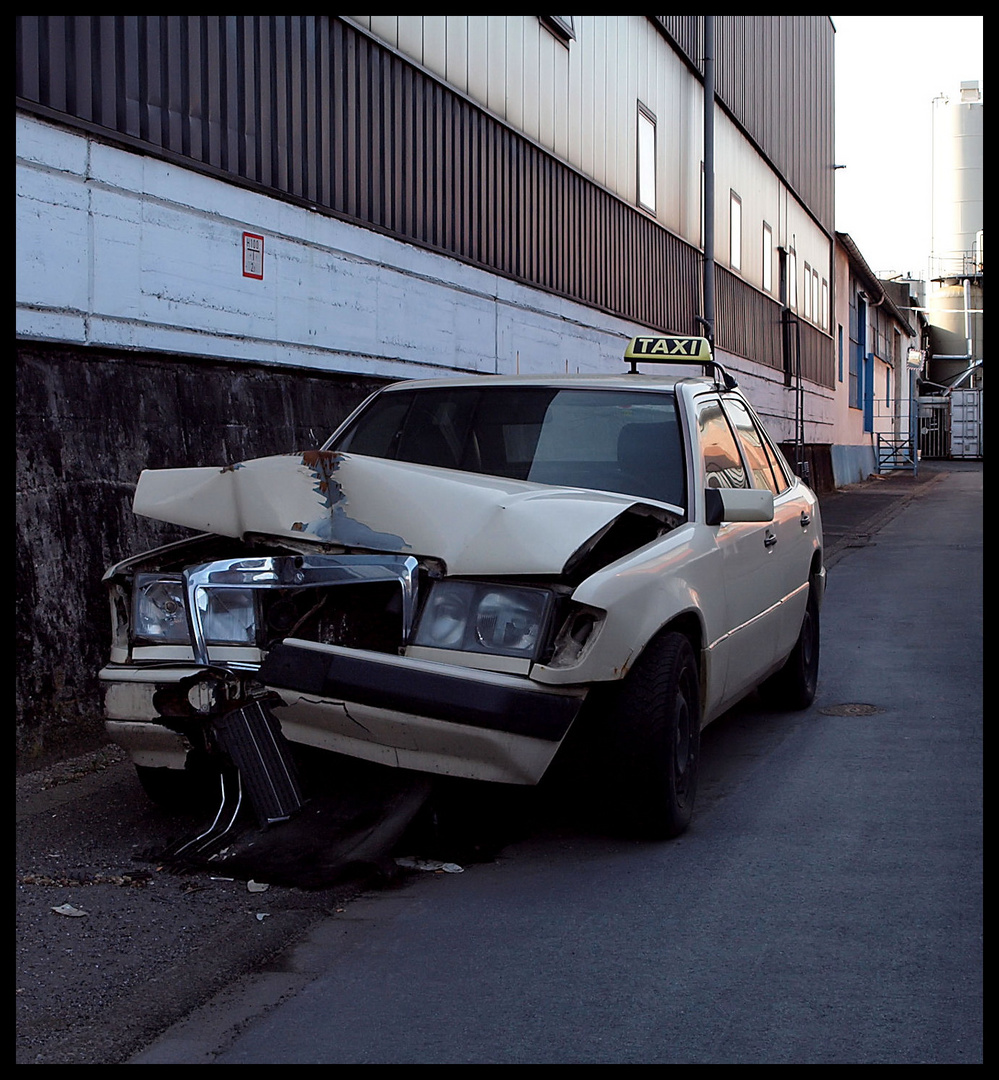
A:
{"x": 133, "y": 946}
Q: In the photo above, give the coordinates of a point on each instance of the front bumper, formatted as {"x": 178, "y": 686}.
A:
{"x": 399, "y": 711}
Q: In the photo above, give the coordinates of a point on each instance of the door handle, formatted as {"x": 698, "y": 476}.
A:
{"x": 769, "y": 538}
{"x": 805, "y": 520}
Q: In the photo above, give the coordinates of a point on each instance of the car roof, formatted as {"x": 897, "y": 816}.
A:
{"x": 623, "y": 381}
{"x": 660, "y": 349}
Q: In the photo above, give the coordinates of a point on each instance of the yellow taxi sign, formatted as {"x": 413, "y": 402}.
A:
{"x": 651, "y": 347}
{"x": 670, "y": 349}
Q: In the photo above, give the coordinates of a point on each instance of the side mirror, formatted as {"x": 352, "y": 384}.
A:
{"x": 737, "y": 504}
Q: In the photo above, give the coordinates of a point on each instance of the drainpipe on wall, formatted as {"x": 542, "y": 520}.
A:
{"x": 708, "y": 319}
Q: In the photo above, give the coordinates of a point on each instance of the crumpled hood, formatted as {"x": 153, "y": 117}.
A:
{"x": 476, "y": 524}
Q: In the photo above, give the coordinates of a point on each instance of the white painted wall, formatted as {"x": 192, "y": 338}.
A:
{"x": 121, "y": 250}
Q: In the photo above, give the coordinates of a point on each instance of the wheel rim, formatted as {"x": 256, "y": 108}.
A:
{"x": 809, "y": 647}
{"x": 682, "y": 741}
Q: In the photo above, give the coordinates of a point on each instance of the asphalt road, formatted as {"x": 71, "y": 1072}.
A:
{"x": 825, "y": 907}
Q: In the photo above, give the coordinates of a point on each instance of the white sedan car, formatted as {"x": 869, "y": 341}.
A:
{"x": 467, "y": 570}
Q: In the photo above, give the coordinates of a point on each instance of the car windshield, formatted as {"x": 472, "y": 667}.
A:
{"x": 613, "y": 440}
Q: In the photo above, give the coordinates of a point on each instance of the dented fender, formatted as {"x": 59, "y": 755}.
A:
{"x": 673, "y": 578}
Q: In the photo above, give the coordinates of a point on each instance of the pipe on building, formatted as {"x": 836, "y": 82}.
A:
{"x": 709, "y": 177}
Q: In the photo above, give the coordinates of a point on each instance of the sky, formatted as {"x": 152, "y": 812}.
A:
{"x": 888, "y": 71}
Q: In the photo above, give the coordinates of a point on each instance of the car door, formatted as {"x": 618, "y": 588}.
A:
{"x": 744, "y": 647}
{"x": 787, "y": 539}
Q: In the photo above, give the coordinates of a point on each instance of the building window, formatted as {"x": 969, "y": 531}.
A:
{"x": 825, "y": 304}
{"x": 768, "y": 258}
{"x": 858, "y": 348}
{"x": 807, "y": 293}
{"x": 792, "y": 279}
{"x": 856, "y": 363}
{"x": 816, "y": 308}
{"x": 562, "y": 26}
{"x": 735, "y": 231}
{"x": 839, "y": 352}
{"x": 646, "y": 159}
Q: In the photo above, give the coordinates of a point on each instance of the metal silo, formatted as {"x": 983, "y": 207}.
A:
{"x": 958, "y": 173}
{"x": 951, "y": 393}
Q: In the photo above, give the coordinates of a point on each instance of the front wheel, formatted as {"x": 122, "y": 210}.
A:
{"x": 654, "y": 729}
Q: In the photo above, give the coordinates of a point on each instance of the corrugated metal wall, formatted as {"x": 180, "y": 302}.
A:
{"x": 309, "y": 108}
{"x": 749, "y": 324}
{"x": 774, "y": 74}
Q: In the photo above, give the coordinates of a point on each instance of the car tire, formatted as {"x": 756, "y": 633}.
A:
{"x": 793, "y": 686}
{"x": 654, "y": 724}
{"x": 180, "y": 790}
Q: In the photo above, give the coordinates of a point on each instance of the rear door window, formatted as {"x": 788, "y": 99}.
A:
{"x": 754, "y": 447}
{"x": 719, "y": 451}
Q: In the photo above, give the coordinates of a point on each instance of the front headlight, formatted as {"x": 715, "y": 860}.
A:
{"x": 160, "y": 610}
{"x": 228, "y": 616}
{"x": 482, "y": 617}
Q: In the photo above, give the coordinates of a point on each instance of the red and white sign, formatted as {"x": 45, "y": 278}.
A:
{"x": 253, "y": 256}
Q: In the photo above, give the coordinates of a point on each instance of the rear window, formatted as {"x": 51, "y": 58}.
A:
{"x": 610, "y": 440}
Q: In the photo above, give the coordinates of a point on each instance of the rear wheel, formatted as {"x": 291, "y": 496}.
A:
{"x": 794, "y": 685}
{"x": 654, "y": 726}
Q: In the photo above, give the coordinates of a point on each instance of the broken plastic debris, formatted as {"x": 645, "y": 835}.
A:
{"x": 429, "y": 864}
{"x": 256, "y": 886}
{"x": 68, "y": 909}
{"x": 261, "y": 915}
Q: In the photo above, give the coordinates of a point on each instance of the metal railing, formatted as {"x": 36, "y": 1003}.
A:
{"x": 895, "y": 444}
{"x": 896, "y": 453}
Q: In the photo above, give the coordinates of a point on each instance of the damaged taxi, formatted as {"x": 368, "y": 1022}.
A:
{"x": 466, "y": 571}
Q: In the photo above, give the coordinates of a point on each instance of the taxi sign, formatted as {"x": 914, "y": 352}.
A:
{"x": 696, "y": 350}
{"x": 672, "y": 349}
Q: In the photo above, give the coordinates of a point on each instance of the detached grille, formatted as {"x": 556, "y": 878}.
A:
{"x": 252, "y": 738}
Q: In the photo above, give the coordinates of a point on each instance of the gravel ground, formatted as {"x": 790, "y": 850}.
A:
{"x": 112, "y": 947}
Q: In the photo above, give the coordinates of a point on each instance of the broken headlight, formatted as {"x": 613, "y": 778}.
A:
{"x": 228, "y": 616}
{"x": 486, "y": 618}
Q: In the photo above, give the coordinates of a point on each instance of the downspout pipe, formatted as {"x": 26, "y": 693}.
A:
{"x": 967, "y": 314}
{"x": 708, "y": 318}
